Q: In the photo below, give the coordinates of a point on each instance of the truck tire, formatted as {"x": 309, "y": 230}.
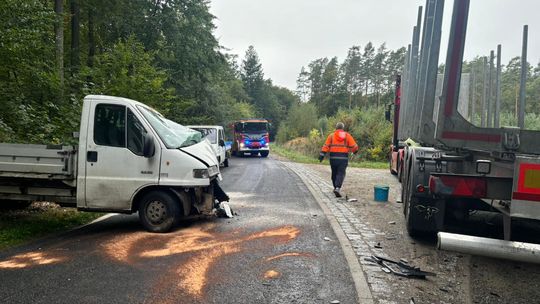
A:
{"x": 407, "y": 199}
{"x": 226, "y": 162}
{"x": 265, "y": 153}
{"x": 159, "y": 211}
{"x": 390, "y": 166}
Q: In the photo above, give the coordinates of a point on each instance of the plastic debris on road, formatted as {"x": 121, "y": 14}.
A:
{"x": 224, "y": 210}
{"x": 399, "y": 268}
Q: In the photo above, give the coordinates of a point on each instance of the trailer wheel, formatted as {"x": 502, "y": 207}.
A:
{"x": 265, "y": 153}
{"x": 406, "y": 195}
{"x": 159, "y": 211}
{"x": 390, "y": 166}
{"x": 411, "y": 228}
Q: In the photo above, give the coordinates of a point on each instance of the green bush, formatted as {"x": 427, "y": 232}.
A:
{"x": 371, "y": 131}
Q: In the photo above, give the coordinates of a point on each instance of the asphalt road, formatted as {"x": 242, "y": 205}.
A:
{"x": 274, "y": 251}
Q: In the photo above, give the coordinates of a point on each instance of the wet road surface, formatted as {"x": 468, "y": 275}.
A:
{"x": 274, "y": 251}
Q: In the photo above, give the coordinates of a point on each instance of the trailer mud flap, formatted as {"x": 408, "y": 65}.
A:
{"x": 426, "y": 215}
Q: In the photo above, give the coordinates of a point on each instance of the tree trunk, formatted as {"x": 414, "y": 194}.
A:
{"x": 75, "y": 35}
{"x": 91, "y": 40}
{"x": 59, "y": 38}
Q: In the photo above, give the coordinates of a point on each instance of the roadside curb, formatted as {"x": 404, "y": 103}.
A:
{"x": 362, "y": 288}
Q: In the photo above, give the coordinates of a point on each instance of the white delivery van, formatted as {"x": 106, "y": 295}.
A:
{"x": 216, "y": 137}
{"x": 129, "y": 159}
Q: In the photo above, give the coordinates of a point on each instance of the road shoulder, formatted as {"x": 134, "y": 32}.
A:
{"x": 362, "y": 288}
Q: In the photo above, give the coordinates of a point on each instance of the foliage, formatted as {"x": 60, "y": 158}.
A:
{"x": 162, "y": 53}
{"x": 292, "y": 154}
{"x": 302, "y": 119}
{"x": 367, "y": 126}
{"x": 126, "y": 70}
{"x": 364, "y": 78}
{"x": 40, "y": 219}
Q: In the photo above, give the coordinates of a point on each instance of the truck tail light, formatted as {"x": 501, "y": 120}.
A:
{"x": 463, "y": 186}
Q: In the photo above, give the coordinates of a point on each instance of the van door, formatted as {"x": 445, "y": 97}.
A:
{"x": 115, "y": 165}
{"x": 222, "y": 149}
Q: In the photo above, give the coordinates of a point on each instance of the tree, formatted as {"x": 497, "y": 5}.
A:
{"x": 367, "y": 65}
{"x": 379, "y": 71}
{"x": 303, "y": 85}
{"x": 126, "y": 70}
{"x": 75, "y": 35}
{"x": 352, "y": 74}
{"x": 59, "y": 38}
{"x": 252, "y": 74}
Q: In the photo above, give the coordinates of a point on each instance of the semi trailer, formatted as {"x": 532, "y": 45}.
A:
{"x": 129, "y": 158}
{"x": 448, "y": 165}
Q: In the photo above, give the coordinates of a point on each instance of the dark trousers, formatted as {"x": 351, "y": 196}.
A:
{"x": 339, "y": 166}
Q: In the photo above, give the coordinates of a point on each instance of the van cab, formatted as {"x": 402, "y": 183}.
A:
{"x": 216, "y": 137}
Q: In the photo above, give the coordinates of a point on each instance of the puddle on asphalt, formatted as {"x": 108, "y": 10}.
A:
{"x": 203, "y": 248}
{"x": 30, "y": 259}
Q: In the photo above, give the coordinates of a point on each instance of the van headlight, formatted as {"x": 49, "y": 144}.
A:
{"x": 200, "y": 173}
{"x": 213, "y": 170}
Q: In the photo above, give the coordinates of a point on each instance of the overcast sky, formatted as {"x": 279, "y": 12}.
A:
{"x": 288, "y": 34}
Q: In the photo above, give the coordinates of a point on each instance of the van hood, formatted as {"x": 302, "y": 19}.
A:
{"x": 202, "y": 151}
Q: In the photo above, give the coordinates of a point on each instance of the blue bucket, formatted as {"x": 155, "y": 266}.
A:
{"x": 381, "y": 193}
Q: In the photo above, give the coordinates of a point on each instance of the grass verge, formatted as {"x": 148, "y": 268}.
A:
{"x": 38, "y": 220}
{"x": 301, "y": 158}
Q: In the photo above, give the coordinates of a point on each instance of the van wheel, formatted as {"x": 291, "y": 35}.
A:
{"x": 159, "y": 211}
{"x": 265, "y": 153}
{"x": 226, "y": 162}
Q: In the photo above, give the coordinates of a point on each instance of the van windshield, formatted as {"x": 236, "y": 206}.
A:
{"x": 209, "y": 133}
{"x": 172, "y": 134}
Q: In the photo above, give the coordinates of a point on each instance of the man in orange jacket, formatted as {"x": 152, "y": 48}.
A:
{"x": 339, "y": 144}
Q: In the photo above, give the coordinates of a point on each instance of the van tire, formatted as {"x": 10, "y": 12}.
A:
{"x": 159, "y": 211}
{"x": 265, "y": 153}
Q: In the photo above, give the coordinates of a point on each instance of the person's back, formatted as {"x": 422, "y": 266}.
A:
{"x": 338, "y": 145}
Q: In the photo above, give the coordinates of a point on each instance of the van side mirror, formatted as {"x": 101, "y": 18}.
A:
{"x": 149, "y": 148}
{"x": 222, "y": 143}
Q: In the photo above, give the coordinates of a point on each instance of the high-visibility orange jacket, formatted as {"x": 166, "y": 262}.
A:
{"x": 339, "y": 144}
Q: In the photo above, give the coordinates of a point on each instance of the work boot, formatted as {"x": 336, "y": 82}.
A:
{"x": 336, "y": 192}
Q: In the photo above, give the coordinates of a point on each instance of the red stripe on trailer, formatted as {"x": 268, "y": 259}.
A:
{"x": 526, "y": 196}
{"x": 522, "y": 183}
{"x": 472, "y": 136}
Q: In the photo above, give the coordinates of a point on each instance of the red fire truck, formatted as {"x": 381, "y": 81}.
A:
{"x": 251, "y": 136}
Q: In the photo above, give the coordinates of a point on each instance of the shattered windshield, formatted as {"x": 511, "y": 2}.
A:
{"x": 188, "y": 136}
{"x": 172, "y": 134}
{"x": 209, "y": 133}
